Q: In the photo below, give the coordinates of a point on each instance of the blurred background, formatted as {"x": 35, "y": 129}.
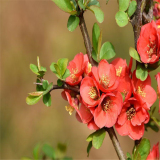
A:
{"x": 31, "y": 28}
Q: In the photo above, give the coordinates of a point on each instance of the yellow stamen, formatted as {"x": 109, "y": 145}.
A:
{"x": 105, "y": 81}
{"x": 131, "y": 112}
{"x": 70, "y": 109}
{"x": 93, "y": 93}
{"x": 140, "y": 91}
{"x": 118, "y": 71}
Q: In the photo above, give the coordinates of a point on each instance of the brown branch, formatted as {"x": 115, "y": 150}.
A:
{"x": 65, "y": 86}
{"x": 115, "y": 142}
{"x": 86, "y": 38}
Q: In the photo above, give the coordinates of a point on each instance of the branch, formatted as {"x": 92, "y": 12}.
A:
{"x": 115, "y": 142}
{"x": 65, "y": 86}
{"x": 86, "y": 38}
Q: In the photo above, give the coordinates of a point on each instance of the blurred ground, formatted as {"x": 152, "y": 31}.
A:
{"x": 31, "y": 28}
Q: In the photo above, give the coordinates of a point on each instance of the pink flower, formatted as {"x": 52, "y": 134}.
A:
{"x": 158, "y": 88}
{"x": 143, "y": 91}
{"x": 89, "y": 91}
{"x": 108, "y": 109}
{"x": 148, "y": 43}
{"x": 132, "y": 119}
{"x": 105, "y": 75}
{"x": 154, "y": 153}
{"x": 76, "y": 69}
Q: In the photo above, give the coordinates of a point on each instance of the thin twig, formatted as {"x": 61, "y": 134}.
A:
{"x": 115, "y": 142}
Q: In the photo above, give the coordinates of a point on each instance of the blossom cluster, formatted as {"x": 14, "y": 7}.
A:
{"x": 110, "y": 94}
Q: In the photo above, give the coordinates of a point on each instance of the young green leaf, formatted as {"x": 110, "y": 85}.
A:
{"x": 66, "y": 74}
{"x": 36, "y": 94}
{"x": 121, "y": 18}
{"x": 98, "y": 138}
{"x": 67, "y": 158}
{"x": 132, "y": 8}
{"x": 62, "y": 147}
{"x": 94, "y": 55}
{"x": 48, "y": 151}
{"x": 157, "y": 121}
{"x": 141, "y": 72}
{"x": 34, "y": 69}
{"x": 107, "y": 51}
{"x": 38, "y": 62}
{"x": 152, "y": 125}
{"x": 52, "y": 68}
{"x": 123, "y": 5}
{"x": 143, "y": 149}
{"x": 73, "y": 22}
{"x": 129, "y": 157}
{"x": 57, "y": 69}
{"x": 99, "y": 46}
{"x": 59, "y": 83}
{"x": 90, "y": 137}
{"x": 134, "y": 54}
{"x": 89, "y": 148}
{"x": 98, "y": 13}
{"x": 48, "y": 88}
{"x": 62, "y": 64}
{"x": 36, "y": 151}
{"x": 81, "y": 5}
{"x": 43, "y": 69}
{"x": 39, "y": 87}
{"x": 93, "y": 2}
{"x": 31, "y": 100}
{"x": 64, "y": 5}
{"x": 45, "y": 84}
{"x": 95, "y": 36}
{"x": 47, "y": 99}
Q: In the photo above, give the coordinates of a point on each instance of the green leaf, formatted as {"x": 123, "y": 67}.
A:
{"x": 73, "y": 22}
{"x": 94, "y": 55}
{"x": 141, "y": 72}
{"x": 74, "y": 3}
{"x": 57, "y": 69}
{"x": 45, "y": 84}
{"x": 38, "y": 62}
{"x": 66, "y": 74}
{"x": 81, "y": 5}
{"x": 98, "y": 13}
{"x": 35, "y": 94}
{"x": 64, "y": 5}
{"x": 93, "y": 2}
{"x": 34, "y": 69}
{"x": 67, "y": 158}
{"x": 89, "y": 148}
{"x": 143, "y": 149}
{"x": 48, "y": 88}
{"x": 62, "y": 64}
{"x": 95, "y": 36}
{"x": 107, "y": 51}
{"x": 98, "y": 138}
{"x": 132, "y": 8}
{"x": 47, "y": 99}
{"x": 90, "y": 137}
{"x": 134, "y": 54}
{"x": 31, "y": 100}
{"x": 36, "y": 151}
{"x": 123, "y": 5}
{"x": 48, "y": 151}
{"x": 62, "y": 147}
{"x": 152, "y": 125}
{"x": 99, "y": 46}
{"x": 121, "y": 18}
{"x": 43, "y": 69}
{"x": 39, "y": 87}
{"x": 52, "y": 68}
{"x": 59, "y": 83}
{"x": 129, "y": 157}
{"x": 157, "y": 121}
{"x": 26, "y": 158}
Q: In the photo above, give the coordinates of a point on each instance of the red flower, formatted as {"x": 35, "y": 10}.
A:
{"x": 89, "y": 91}
{"x": 158, "y": 88}
{"x": 108, "y": 109}
{"x": 154, "y": 153}
{"x": 143, "y": 91}
{"x": 148, "y": 43}
{"x": 131, "y": 119}
{"x": 87, "y": 66}
{"x": 76, "y": 69}
{"x": 105, "y": 75}
{"x": 92, "y": 126}
{"x": 156, "y": 9}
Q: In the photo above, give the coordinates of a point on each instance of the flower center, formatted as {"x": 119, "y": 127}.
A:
{"x": 104, "y": 81}
{"x": 107, "y": 104}
{"x": 93, "y": 93}
{"x": 151, "y": 48}
{"x": 131, "y": 112}
{"x": 118, "y": 71}
{"x": 140, "y": 91}
{"x": 70, "y": 109}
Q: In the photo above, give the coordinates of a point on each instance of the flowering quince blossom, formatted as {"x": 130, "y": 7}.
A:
{"x": 87, "y": 66}
{"x": 154, "y": 153}
{"x": 156, "y": 9}
{"x": 148, "y": 43}
{"x": 143, "y": 91}
{"x": 132, "y": 119}
{"x": 105, "y": 76}
{"x": 108, "y": 109}
{"x": 158, "y": 88}
{"x": 76, "y": 69}
{"x": 122, "y": 73}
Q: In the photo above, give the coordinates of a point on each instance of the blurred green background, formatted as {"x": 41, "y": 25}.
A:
{"x": 31, "y": 28}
